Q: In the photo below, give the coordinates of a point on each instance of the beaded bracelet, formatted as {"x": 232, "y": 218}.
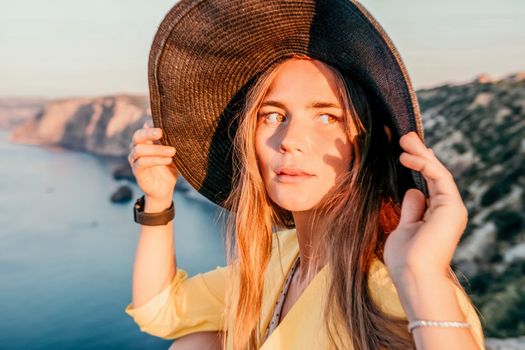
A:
{"x": 419, "y": 323}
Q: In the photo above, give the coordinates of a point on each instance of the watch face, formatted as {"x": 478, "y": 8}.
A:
{"x": 138, "y": 210}
{"x": 139, "y": 203}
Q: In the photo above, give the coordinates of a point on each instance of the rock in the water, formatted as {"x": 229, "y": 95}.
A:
{"x": 123, "y": 172}
{"x": 122, "y": 194}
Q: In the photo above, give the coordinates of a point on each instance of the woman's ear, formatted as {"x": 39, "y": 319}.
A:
{"x": 388, "y": 132}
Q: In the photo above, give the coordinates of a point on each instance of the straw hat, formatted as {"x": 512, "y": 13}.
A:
{"x": 207, "y": 53}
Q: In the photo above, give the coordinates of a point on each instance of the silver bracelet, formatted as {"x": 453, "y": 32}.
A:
{"x": 419, "y": 323}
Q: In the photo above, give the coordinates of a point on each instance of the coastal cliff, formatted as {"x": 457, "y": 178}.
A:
{"x": 102, "y": 125}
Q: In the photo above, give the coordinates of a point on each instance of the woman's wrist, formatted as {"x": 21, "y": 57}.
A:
{"x": 155, "y": 205}
{"x": 423, "y": 296}
{"x": 432, "y": 297}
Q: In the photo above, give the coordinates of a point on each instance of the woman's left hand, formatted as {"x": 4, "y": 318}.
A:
{"x": 427, "y": 235}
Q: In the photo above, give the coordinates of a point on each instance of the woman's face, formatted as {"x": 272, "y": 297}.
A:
{"x": 300, "y": 140}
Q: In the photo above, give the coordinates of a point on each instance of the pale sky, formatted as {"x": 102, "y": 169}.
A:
{"x": 64, "y": 48}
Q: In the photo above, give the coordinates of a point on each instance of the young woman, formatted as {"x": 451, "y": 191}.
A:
{"x": 306, "y": 153}
{"x": 325, "y": 249}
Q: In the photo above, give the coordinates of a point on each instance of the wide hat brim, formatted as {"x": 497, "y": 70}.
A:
{"x": 206, "y": 55}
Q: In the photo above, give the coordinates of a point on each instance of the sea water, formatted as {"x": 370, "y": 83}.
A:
{"x": 67, "y": 251}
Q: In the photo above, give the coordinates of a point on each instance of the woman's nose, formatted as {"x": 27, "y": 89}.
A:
{"x": 294, "y": 137}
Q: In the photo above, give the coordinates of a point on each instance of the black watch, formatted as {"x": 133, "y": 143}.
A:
{"x": 152, "y": 219}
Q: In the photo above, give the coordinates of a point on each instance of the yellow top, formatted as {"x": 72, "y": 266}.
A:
{"x": 189, "y": 305}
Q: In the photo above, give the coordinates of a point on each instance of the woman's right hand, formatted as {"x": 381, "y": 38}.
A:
{"x": 152, "y": 164}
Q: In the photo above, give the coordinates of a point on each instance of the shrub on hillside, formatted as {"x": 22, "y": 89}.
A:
{"x": 508, "y": 223}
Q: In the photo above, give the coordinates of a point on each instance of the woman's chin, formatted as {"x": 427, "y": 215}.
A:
{"x": 296, "y": 204}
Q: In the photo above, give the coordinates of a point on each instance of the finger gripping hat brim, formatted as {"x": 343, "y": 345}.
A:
{"x": 206, "y": 54}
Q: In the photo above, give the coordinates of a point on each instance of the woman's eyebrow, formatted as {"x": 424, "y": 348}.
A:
{"x": 323, "y": 104}
{"x": 314, "y": 104}
{"x": 273, "y": 103}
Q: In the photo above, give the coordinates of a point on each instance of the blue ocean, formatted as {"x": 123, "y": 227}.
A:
{"x": 67, "y": 251}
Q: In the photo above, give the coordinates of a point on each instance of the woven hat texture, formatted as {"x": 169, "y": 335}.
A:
{"x": 206, "y": 54}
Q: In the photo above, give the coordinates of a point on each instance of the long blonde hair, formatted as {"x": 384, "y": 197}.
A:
{"x": 360, "y": 211}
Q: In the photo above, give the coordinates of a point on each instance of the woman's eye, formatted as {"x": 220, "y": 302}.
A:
{"x": 274, "y": 118}
{"x": 327, "y": 119}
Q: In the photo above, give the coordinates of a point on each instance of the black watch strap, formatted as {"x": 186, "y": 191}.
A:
{"x": 152, "y": 219}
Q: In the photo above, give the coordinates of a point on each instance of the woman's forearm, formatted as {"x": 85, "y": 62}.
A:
{"x": 155, "y": 261}
{"x": 433, "y": 297}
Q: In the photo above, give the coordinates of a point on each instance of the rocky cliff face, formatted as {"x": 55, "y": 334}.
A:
{"x": 477, "y": 129}
{"x": 15, "y": 111}
{"x": 98, "y": 125}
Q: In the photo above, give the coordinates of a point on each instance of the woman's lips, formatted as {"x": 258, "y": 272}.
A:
{"x": 291, "y": 174}
{"x": 285, "y": 178}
